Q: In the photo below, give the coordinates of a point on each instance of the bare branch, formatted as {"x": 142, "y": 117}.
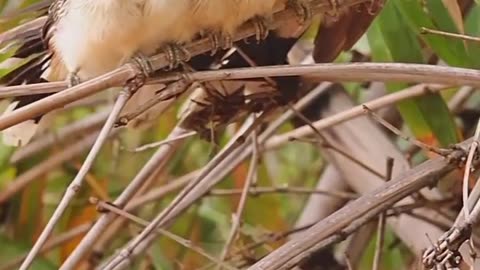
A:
{"x": 367, "y": 206}
{"x": 77, "y": 182}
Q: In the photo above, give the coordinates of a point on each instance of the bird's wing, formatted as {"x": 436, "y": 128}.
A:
{"x": 55, "y": 13}
{"x": 40, "y": 47}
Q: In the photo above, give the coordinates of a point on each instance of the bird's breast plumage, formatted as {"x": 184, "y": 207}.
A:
{"x": 94, "y": 37}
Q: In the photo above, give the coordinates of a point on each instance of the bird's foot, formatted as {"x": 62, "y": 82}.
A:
{"x": 176, "y": 54}
{"x": 261, "y": 28}
{"x": 145, "y": 69}
{"x": 304, "y": 10}
{"x": 220, "y": 40}
{"x": 143, "y": 63}
{"x": 73, "y": 79}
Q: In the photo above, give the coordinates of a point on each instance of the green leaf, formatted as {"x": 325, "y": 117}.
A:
{"x": 450, "y": 50}
{"x": 392, "y": 40}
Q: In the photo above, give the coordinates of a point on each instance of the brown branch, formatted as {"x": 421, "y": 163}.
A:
{"x": 335, "y": 72}
{"x": 346, "y": 72}
{"x": 359, "y": 211}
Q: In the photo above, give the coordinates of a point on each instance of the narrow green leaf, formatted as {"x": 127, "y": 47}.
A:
{"x": 392, "y": 40}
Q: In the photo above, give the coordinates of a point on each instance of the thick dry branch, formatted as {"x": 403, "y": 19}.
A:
{"x": 334, "y": 72}
{"x": 346, "y": 72}
{"x": 374, "y": 202}
{"x": 70, "y": 95}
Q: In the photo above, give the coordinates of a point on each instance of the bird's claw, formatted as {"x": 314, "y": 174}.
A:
{"x": 73, "y": 79}
{"x": 261, "y": 27}
{"x": 220, "y": 41}
{"x": 176, "y": 54}
{"x": 143, "y": 63}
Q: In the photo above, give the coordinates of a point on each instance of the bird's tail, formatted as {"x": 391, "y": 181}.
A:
{"x": 29, "y": 72}
{"x": 19, "y": 134}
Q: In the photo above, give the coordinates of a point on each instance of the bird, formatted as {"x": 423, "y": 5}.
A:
{"x": 87, "y": 38}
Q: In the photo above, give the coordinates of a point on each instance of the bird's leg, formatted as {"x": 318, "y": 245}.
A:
{"x": 73, "y": 79}
{"x": 176, "y": 54}
{"x": 220, "y": 40}
{"x": 145, "y": 69}
{"x": 303, "y": 9}
{"x": 261, "y": 28}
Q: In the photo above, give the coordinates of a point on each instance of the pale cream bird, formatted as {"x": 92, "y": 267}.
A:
{"x": 87, "y": 38}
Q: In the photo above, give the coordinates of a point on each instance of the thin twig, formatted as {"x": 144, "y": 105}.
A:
{"x": 257, "y": 191}
{"x": 425, "y": 30}
{"x": 468, "y": 169}
{"x": 171, "y": 92}
{"x": 381, "y": 224}
{"x": 325, "y": 143}
{"x": 394, "y": 130}
{"x": 343, "y": 72}
{"x": 334, "y": 72}
{"x": 109, "y": 207}
{"x": 348, "y": 262}
{"x": 457, "y": 103}
{"x": 387, "y": 100}
{"x": 237, "y": 217}
{"x": 160, "y": 143}
{"x": 77, "y": 182}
